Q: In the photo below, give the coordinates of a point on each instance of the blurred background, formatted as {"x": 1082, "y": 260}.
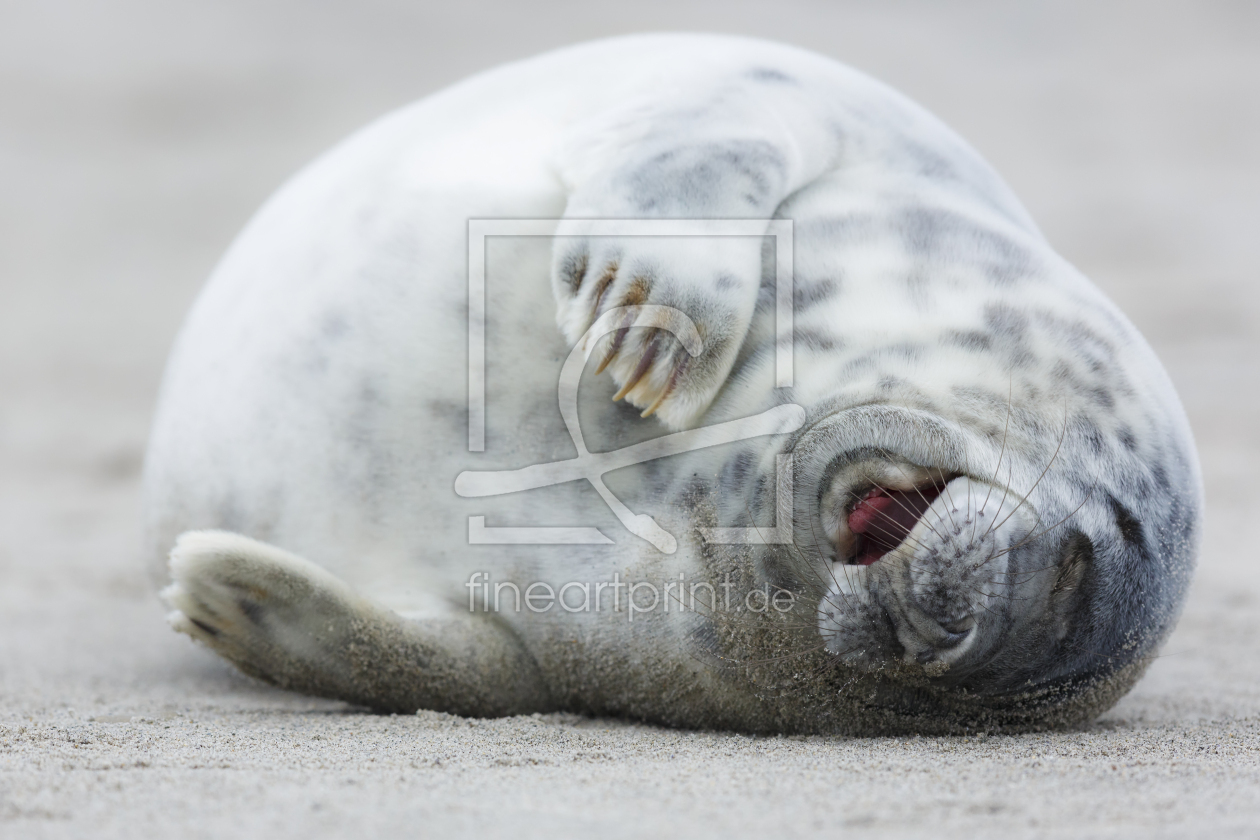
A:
{"x": 137, "y": 136}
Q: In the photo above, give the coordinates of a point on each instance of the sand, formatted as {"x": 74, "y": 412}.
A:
{"x": 137, "y": 136}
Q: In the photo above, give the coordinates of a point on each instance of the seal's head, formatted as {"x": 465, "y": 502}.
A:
{"x": 939, "y": 572}
{"x": 1001, "y": 576}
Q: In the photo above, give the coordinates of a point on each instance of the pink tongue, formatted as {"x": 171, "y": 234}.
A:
{"x": 884, "y": 518}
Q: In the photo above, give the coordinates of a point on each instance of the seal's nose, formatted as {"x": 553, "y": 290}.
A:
{"x": 947, "y": 590}
{"x": 942, "y": 638}
{"x": 928, "y": 639}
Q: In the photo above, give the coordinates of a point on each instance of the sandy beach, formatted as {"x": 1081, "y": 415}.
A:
{"x": 137, "y": 137}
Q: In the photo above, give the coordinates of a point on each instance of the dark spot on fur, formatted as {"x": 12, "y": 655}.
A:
{"x": 1129, "y": 526}
{"x": 334, "y": 326}
{"x": 737, "y": 470}
{"x": 907, "y": 350}
{"x": 815, "y": 340}
{"x": 1095, "y": 439}
{"x": 1021, "y": 358}
{"x": 928, "y": 162}
{"x": 807, "y": 294}
{"x": 856, "y": 365}
{"x": 1006, "y": 321}
{"x": 920, "y": 229}
{"x": 460, "y": 307}
{"x": 969, "y": 340}
{"x": 368, "y": 397}
{"x": 838, "y": 230}
{"x": 1076, "y": 334}
{"x": 454, "y": 414}
{"x": 707, "y": 174}
{"x": 985, "y": 402}
{"x": 1102, "y": 397}
{"x": 770, "y": 75}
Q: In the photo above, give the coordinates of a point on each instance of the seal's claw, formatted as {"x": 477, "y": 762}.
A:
{"x": 679, "y": 368}
{"x": 651, "y": 347}
{"x": 649, "y": 364}
{"x": 711, "y": 285}
{"x": 248, "y": 602}
{"x": 287, "y": 621}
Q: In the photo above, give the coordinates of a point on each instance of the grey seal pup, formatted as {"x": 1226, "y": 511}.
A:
{"x": 829, "y": 439}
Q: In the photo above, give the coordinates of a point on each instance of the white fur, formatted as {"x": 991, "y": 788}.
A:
{"x": 316, "y": 397}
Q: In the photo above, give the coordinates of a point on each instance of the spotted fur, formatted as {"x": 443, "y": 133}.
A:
{"x": 316, "y": 401}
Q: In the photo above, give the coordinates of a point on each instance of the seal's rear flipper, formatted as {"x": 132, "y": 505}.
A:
{"x": 287, "y": 621}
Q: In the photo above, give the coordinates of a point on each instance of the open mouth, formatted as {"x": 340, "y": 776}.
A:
{"x": 881, "y": 519}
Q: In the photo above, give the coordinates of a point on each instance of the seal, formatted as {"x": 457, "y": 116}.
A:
{"x": 855, "y": 450}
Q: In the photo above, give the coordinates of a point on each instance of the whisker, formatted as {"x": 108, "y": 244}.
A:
{"x": 1029, "y": 539}
{"x": 1001, "y": 453}
{"x": 1058, "y": 448}
{"x": 939, "y": 518}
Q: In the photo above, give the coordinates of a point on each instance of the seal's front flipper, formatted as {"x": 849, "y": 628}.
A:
{"x": 287, "y": 621}
{"x": 714, "y": 283}
{"x": 671, "y": 191}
